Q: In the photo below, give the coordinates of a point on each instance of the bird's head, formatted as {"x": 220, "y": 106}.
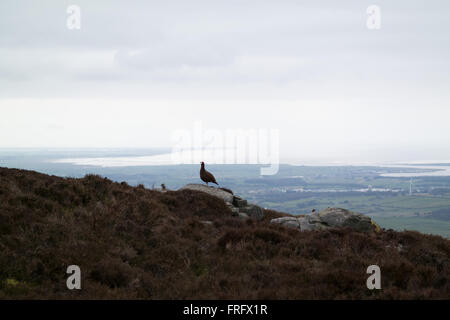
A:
{"x": 202, "y": 163}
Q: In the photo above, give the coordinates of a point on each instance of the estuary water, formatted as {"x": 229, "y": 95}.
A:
{"x": 430, "y": 169}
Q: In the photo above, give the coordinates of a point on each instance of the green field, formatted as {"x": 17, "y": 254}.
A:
{"x": 423, "y": 225}
{"x": 397, "y": 205}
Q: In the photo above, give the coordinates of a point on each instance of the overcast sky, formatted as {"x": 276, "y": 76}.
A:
{"x": 137, "y": 71}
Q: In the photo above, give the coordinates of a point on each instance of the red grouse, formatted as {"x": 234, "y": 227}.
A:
{"x": 206, "y": 176}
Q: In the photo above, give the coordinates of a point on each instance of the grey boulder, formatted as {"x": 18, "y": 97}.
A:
{"x": 216, "y": 192}
{"x": 239, "y": 207}
{"x": 306, "y": 223}
{"x": 328, "y": 218}
{"x": 253, "y": 211}
{"x": 341, "y": 218}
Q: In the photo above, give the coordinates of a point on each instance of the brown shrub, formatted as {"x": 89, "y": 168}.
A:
{"x": 138, "y": 243}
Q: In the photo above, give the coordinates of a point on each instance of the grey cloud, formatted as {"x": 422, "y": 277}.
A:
{"x": 289, "y": 47}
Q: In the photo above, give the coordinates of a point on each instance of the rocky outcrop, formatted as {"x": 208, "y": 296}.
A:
{"x": 216, "y": 192}
{"x": 238, "y": 206}
{"x": 326, "y": 219}
{"x": 341, "y": 218}
{"x": 303, "y": 223}
{"x": 252, "y": 211}
{"x": 329, "y": 218}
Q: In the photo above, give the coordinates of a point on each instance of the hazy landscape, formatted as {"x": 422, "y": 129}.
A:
{"x": 419, "y": 203}
{"x": 224, "y": 150}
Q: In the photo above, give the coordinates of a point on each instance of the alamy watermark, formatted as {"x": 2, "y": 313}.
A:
{"x": 374, "y": 281}
{"x": 229, "y": 146}
{"x": 73, "y": 21}
{"x": 74, "y": 280}
{"x": 373, "y": 17}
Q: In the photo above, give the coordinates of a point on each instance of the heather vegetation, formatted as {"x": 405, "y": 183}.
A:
{"x": 136, "y": 243}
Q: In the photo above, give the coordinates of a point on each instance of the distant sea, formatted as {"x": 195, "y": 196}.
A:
{"x": 108, "y": 158}
{"x": 431, "y": 168}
